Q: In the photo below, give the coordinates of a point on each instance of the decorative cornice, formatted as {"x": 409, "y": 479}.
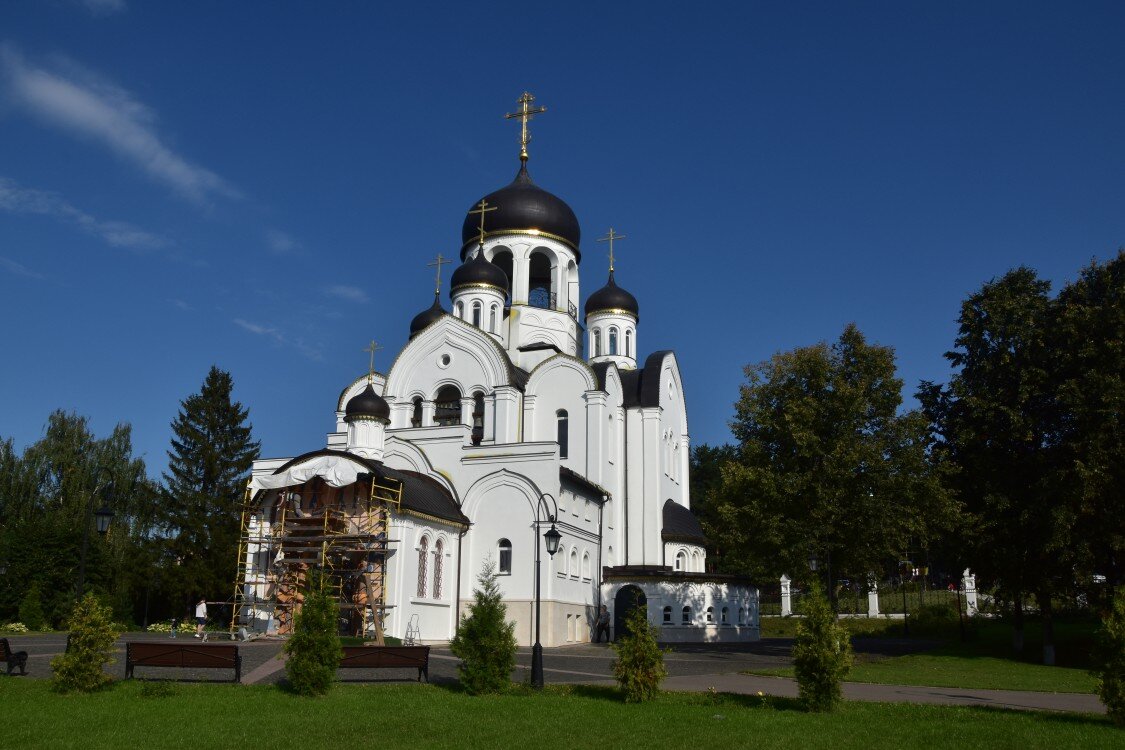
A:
{"x": 526, "y": 233}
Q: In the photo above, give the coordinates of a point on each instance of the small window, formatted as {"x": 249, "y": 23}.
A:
{"x": 710, "y": 614}
{"x": 725, "y": 615}
{"x": 494, "y": 319}
{"x": 505, "y": 549}
{"x": 477, "y": 314}
{"x": 423, "y": 560}
{"x": 478, "y": 417}
{"x": 685, "y": 616}
{"x": 667, "y": 615}
{"x": 447, "y": 406}
{"x": 628, "y": 342}
{"x": 596, "y": 342}
{"x": 586, "y": 565}
{"x": 459, "y": 310}
{"x": 563, "y": 433}
{"x": 439, "y": 553}
{"x": 741, "y": 615}
{"x": 613, "y": 341}
{"x": 416, "y": 415}
{"x": 681, "y": 560}
{"x": 573, "y": 563}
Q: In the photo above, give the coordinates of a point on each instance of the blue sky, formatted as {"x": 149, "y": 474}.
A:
{"x": 259, "y": 185}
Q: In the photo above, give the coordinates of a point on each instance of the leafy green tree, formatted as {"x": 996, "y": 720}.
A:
{"x": 826, "y": 464}
{"x": 212, "y": 452}
{"x": 998, "y": 420}
{"x": 82, "y": 667}
{"x": 485, "y": 641}
{"x": 31, "y": 608}
{"x": 639, "y": 667}
{"x": 706, "y": 483}
{"x": 1109, "y": 661}
{"x": 822, "y": 654}
{"x": 314, "y": 647}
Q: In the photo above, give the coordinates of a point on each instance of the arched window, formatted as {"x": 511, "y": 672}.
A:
{"x": 573, "y": 563}
{"x": 681, "y": 560}
{"x": 586, "y": 565}
{"x": 695, "y": 564}
{"x": 609, "y": 556}
{"x": 741, "y": 615}
{"x": 477, "y": 314}
{"x": 478, "y": 417}
{"x": 563, "y": 433}
{"x": 423, "y": 560}
{"x": 541, "y": 290}
{"x": 505, "y": 549}
{"x": 439, "y": 550}
{"x": 459, "y": 310}
{"x": 725, "y": 615}
{"x": 447, "y": 406}
{"x": 494, "y": 319}
{"x": 596, "y": 342}
{"x": 416, "y": 416}
{"x": 613, "y": 341}
{"x": 628, "y": 342}
{"x": 685, "y": 616}
{"x": 710, "y": 614}
{"x": 667, "y": 615}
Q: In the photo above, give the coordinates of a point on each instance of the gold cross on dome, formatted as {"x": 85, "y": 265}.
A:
{"x": 371, "y": 349}
{"x": 610, "y": 238}
{"x": 526, "y": 113}
{"x": 483, "y": 208}
{"x": 439, "y": 261}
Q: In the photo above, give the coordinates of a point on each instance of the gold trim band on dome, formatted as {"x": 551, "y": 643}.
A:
{"x": 366, "y": 418}
{"x": 479, "y": 285}
{"x": 525, "y": 232}
{"x": 613, "y": 311}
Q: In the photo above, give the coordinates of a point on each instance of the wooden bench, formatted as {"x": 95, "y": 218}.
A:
{"x": 183, "y": 655}
{"x": 13, "y": 658}
{"x": 388, "y": 657}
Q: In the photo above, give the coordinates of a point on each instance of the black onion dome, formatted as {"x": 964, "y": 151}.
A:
{"x": 612, "y": 297}
{"x": 479, "y": 271}
{"x": 367, "y": 404}
{"x": 430, "y": 315}
{"x": 523, "y": 206}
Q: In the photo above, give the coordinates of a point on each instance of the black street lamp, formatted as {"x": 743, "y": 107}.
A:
{"x": 101, "y": 520}
{"x": 905, "y": 567}
{"x": 552, "y": 538}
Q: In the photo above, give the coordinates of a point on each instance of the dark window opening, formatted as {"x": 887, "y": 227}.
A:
{"x": 478, "y": 418}
{"x": 505, "y": 548}
{"x": 563, "y": 433}
{"x": 416, "y": 417}
{"x": 540, "y": 282}
{"x": 447, "y": 406}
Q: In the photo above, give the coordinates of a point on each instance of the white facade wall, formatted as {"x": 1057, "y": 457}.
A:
{"x": 704, "y": 601}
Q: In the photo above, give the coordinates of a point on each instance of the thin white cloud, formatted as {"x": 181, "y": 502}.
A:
{"x": 281, "y": 243}
{"x": 349, "y": 293}
{"x": 103, "y": 7}
{"x": 18, "y": 269}
{"x": 181, "y": 305}
{"x": 14, "y": 198}
{"x": 279, "y": 339}
{"x": 73, "y": 99}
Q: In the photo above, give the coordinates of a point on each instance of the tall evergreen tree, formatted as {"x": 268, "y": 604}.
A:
{"x": 212, "y": 452}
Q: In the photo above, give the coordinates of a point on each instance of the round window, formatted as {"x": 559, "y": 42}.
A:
{"x": 444, "y": 360}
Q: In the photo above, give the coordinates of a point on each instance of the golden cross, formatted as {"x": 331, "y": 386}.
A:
{"x": 610, "y": 238}
{"x": 482, "y": 208}
{"x": 372, "y": 348}
{"x": 526, "y": 113}
{"x": 439, "y": 261}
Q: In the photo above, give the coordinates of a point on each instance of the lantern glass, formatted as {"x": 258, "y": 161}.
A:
{"x": 102, "y": 517}
{"x": 813, "y": 564}
{"x": 553, "y": 537}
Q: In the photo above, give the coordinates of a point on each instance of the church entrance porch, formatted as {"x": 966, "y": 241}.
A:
{"x": 627, "y": 599}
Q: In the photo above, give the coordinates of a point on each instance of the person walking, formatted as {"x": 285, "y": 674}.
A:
{"x": 200, "y": 617}
{"x": 602, "y": 625}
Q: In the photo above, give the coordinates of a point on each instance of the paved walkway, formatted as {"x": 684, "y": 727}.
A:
{"x": 691, "y": 668}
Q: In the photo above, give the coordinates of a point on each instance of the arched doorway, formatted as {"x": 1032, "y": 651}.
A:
{"x": 627, "y": 599}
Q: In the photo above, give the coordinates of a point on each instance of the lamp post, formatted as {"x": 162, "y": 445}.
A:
{"x": 552, "y": 537}
{"x": 102, "y": 518}
{"x": 905, "y": 566}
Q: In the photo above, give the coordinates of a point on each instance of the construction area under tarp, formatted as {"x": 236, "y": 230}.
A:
{"x": 289, "y": 532}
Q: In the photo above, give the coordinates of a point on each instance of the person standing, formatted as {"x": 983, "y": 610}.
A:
{"x": 200, "y": 617}
{"x": 602, "y": 625}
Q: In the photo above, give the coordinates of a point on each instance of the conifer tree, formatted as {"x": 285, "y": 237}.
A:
{"x": 314, "y": 649}
{"x": 31, "y": 608}
{"x": 822, "y": 654}
{"x": 485, "y": 640}
{"x": 211, "y": 455}
{"x": 639, "y": 667}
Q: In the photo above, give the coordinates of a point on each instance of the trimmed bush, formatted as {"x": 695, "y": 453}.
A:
{"x": 485, "y": 640}
{"x": 31, "y": 609}
{"x": 90, "y": 648}
{"x": 314, "y": 648}
{"x": 1109, "y": 661}
{"x": 639, "y": 667}
{"x": 14, "y": 627}
{"x": 822, "y": 654}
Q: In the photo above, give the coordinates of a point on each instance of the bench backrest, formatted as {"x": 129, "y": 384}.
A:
{"x": 176, "y": 655}
{"x": 385, "y": 656}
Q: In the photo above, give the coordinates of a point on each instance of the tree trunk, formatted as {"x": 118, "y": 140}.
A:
{"x": 1017, "y": 623}
{"x": 1048, "y": 628}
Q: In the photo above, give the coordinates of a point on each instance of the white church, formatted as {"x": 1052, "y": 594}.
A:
{"x": 518, "y": 409}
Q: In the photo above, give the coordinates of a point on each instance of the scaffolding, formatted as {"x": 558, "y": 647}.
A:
{"x": 340, "y": 531}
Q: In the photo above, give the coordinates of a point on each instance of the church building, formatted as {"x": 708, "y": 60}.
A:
{"x": 521, "y": 428}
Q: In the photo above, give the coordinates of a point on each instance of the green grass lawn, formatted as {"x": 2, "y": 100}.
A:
{"x": 985, "y": 661}
{"x": 411, "y": 715}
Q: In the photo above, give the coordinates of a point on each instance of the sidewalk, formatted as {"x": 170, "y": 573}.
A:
{"x": 860, "y": 691}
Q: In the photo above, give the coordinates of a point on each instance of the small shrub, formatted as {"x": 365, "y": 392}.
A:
{"x": 485, "y": 640}
{"x": 1109, "y": 661}
{"x": 31, "y": 609}
{"x": 159, "y": 689}
{"x": 15, "y": 627}
{"x": 82, "y": 667}
{"x": 314, "y": 648}
{"x": 639, "y": 667}
{"x": 822, "y": 655}
{"x": 161, "y": 627}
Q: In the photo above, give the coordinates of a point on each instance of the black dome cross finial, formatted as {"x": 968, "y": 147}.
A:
{"x": 371, "y": 349}
{"x": 482, "y": 208}
{"x": 526, "y": 113}
{"x": 610, "y": 238}
{"x": 439, "y": 261}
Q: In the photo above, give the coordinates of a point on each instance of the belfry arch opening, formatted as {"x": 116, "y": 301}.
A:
{"x": 502, "y": 259}
{"x": 541, "y": 291}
